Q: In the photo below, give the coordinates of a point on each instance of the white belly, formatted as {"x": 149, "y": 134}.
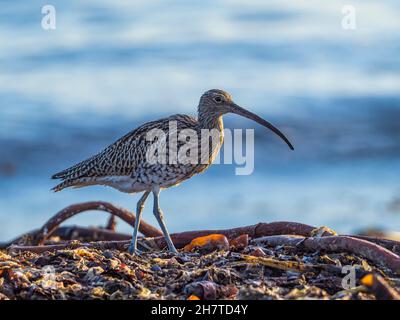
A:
{"x": 123, "y": 184}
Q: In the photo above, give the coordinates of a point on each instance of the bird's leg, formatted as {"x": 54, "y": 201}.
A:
{"x": 139, "y": 208}
{"x": 160, "y": 219}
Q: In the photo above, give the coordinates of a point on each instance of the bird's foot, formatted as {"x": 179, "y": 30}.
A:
{"x": 134, "y": 251}
{"x": 322, "y": 232}
{"x": 182, "y": 257}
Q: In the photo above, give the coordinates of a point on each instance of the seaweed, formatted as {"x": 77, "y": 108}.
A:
{"x": 269, "y": 261}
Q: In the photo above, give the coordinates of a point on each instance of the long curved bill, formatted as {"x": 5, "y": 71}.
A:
{"x": 247, "y": 114}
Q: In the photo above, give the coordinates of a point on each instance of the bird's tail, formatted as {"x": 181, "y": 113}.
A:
{"x": 73, "y": 176}
{"x": 63, "y": 185}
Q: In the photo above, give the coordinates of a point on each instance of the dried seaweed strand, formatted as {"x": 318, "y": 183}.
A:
{"x": 52, "y": 224}
{"x": 71, "y": 233}
{"x": 111, "y": 223}
{"x": 361, "y": 247}
{"x": 254, "y": 231}
{"x": 278, "y": 264}
{"x": 391, "y": 245}
{"x": 99, "y": 245}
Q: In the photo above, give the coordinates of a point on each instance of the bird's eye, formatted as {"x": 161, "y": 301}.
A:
{"x": 218, "y": 99}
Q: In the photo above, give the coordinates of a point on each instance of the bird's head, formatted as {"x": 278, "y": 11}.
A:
{"x": 215, "y": 103}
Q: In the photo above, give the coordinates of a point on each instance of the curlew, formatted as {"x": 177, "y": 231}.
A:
{"x": 126, "y": 165}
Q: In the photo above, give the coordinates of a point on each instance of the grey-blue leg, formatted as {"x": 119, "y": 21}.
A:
{"x": 160, "y": 219}
{"x": 139, "y": 208}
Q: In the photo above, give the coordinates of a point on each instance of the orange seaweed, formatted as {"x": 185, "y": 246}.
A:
{"x": 212, "y": 241}
{"x": 368, "y": 280}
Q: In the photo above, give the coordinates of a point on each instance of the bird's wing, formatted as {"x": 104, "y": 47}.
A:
{"x": 123, "y": 156}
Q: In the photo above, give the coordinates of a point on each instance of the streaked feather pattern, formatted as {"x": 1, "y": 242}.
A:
{"x": 124, "y": 162}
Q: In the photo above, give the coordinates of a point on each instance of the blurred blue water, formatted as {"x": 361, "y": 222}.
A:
{"x": 110, "y": 66}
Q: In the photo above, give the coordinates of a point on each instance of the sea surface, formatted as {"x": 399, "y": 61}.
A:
{"x": 110, "y": 66}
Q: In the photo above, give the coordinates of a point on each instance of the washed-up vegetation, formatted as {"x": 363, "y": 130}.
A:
{"x": 281, "y": 260}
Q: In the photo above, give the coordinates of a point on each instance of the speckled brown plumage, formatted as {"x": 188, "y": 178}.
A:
{"x": 127, "y": 158}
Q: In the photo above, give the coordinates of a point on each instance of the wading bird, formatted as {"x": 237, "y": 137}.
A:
{"x": 125, "y": 165}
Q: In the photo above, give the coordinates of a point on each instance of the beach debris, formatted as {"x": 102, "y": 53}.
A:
{"x": 278, "y": 260}
{"x": 322, "y": 232}
{"x": 253, "y": 231}
{"x": 205, "y": 290}
{"x": 258, "y": 252}
{"x": 85, "y": 272}
{"x": 380, "y": 287}
{"x": 52, "y": 224}
{"x": 239, "y": 243}
{"x": 111, "y": 223}
{"x": 367, "y": 249}
{"x": 208, "y": 290}
{"x": 208, "y": 243}
{"x": 278, "y": 264}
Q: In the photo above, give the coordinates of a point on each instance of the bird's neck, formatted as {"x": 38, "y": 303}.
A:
{"x": 210, "y": 121}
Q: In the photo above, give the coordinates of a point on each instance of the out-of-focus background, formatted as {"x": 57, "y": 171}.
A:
{"x": 111, "y": 65}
